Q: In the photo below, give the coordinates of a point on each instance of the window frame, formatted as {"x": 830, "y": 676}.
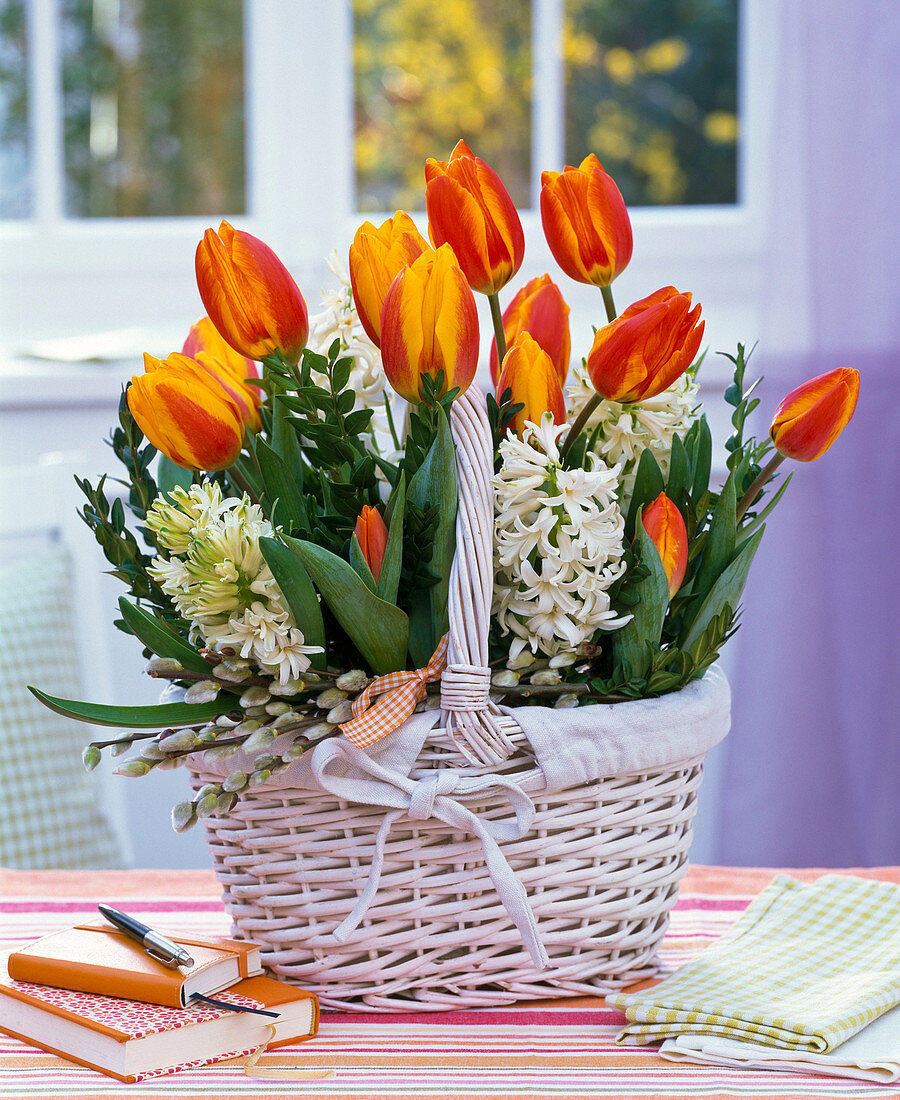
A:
{"x": 300, "y": 184}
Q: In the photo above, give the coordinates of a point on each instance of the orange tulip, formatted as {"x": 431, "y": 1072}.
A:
{"x": 185, "y": 412}
{"x": 539, "y": 309}
{"x": 469, "y": 209}
{"x": 585, "y": 222}
{"x": 429, "y": 323}
{"x": 206, "y": 346}
{"x": 377, "y": 256}
{"x": 529, "y": 372}
{"x": 647, "y": 348}
{"x": 664, "y": 524}
{"x": 372, "y": 534}
{"x": 250, "y": 295}
{"x": 812, "y": 416}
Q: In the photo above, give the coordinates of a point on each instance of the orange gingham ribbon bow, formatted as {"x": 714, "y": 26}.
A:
{"x": 399, "y": 691}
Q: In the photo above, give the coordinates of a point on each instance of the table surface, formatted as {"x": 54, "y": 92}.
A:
{"x": 562, "y": 1048}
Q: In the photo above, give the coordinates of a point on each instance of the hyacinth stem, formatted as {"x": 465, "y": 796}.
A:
{"x": 592, "y": 402}
{"x": 756, "y": 487}
{"x": 606, "y": 291}
{"x": 499, "y": 334}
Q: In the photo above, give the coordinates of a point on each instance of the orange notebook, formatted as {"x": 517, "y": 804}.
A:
{"x": 132, "y": 1041}
{"x": 97, "y": 958}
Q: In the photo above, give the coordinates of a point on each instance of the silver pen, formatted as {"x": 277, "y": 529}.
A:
{"x": 156, "y": 945}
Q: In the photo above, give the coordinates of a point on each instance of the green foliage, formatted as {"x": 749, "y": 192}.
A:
{"x": 641, "y": 635}
{"x": 153, "y": 717}
{"x": 500, "y": 415}
{"x": 378, "y": 629}
{"x": 293, "y": 580}
{"x": 159, "y": 637}
{"x": 434, "y": 486}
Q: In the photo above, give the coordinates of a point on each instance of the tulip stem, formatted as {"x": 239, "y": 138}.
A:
{"x": 592, "y": 402}
{"x": 499, "y": 334}
{"x": 390, "y": 420}
{"x": 242, "y": 483}
{"x": 606, "y": 291}
{"x": 756, "y": 487}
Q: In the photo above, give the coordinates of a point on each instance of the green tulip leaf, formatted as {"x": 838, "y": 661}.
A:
{"x": 378, "y": 629}
{"x": 718, "y": 548}
{"x": 160, "y": 639}
{"x": 435, "y": 483}
{"x": 698, "y": 444}
{"x": 292, "y": 578}
{"x": 280, "y": 485}
{"x": 726, "y": 590}
{"x": 162, "y": 716}
{"x": 679, "y": 481}
{"x": 389, "y": 581}
{"x": 169, "y": 475}
{"x": 648, "y": 484}
{"x": 359, "y": 563}
{"x": 630, "y": 643}
{"x": 285, "y": 442}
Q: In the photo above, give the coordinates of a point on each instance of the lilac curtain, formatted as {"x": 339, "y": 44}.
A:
{"x": 810, "y": 774}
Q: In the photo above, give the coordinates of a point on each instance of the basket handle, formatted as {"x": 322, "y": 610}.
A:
{"x": 473, "y": 721}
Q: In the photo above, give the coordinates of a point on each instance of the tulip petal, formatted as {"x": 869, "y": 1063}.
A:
{"x": 811, "y": 417}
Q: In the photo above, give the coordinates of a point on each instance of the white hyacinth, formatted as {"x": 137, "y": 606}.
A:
{"x": 218, "y": 578}
{"x": 339, "y": 320}
{"x": 627, "y": 430}
{"x": 557, "y": 544}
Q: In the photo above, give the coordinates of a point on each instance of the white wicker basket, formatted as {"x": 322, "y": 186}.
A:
{"x": 438, "y": 921}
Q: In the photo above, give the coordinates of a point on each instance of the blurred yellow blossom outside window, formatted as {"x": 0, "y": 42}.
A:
{"x": 651, "y": 88}
{"x": 428, "y": 73}
{"x": 153, "y": 107}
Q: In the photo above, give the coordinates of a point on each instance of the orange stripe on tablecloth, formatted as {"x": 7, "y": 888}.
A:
{"x": 88, "y": 884}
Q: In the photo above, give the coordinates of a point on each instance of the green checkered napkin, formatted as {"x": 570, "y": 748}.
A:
{"x": 805, "y": 967}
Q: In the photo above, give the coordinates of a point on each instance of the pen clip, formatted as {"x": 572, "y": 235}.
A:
{"x": 166, "y": 959}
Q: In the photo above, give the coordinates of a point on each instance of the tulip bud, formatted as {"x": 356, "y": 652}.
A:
{"x": 250, "y": 295}
{"x": 532, "y": 378}
{"x": 647, "y": 348}
{"x": 539, "y": 309}
{"x": 812, "y": 416}
{"x": 377, "y": 256}
{"x": 231, "y": 370}
{"x": 372, "y": 534}
{"x": 469, "y": 209}
{"x": 585, "y": 222}
{"x": 664, "y": 524}
{"x": 429, "y": 324}
{"x": 182, "y": 409}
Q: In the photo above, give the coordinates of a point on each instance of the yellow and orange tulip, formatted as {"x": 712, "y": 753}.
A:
{"x": 185, "y": 412}
{"x": 250, "y": 295}
{"x": 372, "y": 534}
{"x": 647, "y": 348}
{"x": 469, "y": 209}
{"x": 528, "y": 371}
{"x": 429, "y": 323}
{"x": 812, "y": 416}
{"x": 664, "y": 524}
{"x": 585, "y": 222}
{"x": 205, "y": 346}
{"x": 539, "y": 309}
{"x": 377, "y": 256}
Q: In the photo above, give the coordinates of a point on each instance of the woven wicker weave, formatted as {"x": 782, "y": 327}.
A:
{"x": 600, "y": 864}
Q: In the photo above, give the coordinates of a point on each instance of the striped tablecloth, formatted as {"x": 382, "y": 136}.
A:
{"x": 556, "y": 1048}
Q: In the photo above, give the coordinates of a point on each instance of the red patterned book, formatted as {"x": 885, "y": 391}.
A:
{"x": 132, "y": 1040}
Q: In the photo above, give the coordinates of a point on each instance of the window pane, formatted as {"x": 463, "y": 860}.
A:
{"x": 153, "y": 106}
{"x": 652, "y": 89}
{"x": 15, "y": 190}
{"x": 427, "y": 74}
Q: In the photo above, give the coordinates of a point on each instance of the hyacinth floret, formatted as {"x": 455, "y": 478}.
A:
{"x": 217, "y": 577}
{"x": 623, "y": 432}
{"x": 558, "y": 544}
